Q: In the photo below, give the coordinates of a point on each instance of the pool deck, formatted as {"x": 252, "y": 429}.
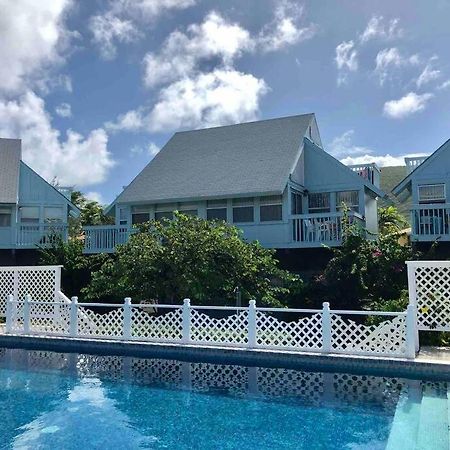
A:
{"x": 431, "y": 363}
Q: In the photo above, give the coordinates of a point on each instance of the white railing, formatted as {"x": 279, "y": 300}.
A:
{"x": 431, "y": 221}
{"x": 323, "y": 228}
{"x": 322, "y": 331}
{"x": 429, "y": 293}
{"x": 414, "y": 162}
{"x": 104, "y": 238}
{"x": 370, "y": 172}
{"x": 31, "y": 235}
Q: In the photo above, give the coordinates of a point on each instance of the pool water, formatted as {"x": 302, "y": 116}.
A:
{"x": 71, "y": 401}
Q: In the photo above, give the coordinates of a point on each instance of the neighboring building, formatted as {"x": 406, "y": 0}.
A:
{"x": 270, "y": 178}
{"x": 428, "y": 183}
{"x": 31, "y": 210}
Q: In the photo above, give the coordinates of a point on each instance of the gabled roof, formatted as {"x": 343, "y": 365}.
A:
{"x": 10, "y": 154}
{"x": 244, "y": 159}
{"x": 406, "y": 181}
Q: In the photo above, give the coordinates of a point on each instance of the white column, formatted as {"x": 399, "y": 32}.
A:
{"x": 411, "y": 332}
{"x": 127, "y": 319}
{"x": 186, "y": 321}
{"x": 26, "y": 314}
{"x": 73, "y": 317}
{"x": 412, "y": 293}
{"x": 9, "y": 313}
{"x": 326, "y": 328}
{"x": 251, "y": 324}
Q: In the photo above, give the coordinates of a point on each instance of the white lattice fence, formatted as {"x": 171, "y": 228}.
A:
{"x": 429, "y": 293}
{"x": 41, "y": 282}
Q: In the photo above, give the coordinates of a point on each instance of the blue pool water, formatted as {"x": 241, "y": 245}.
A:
{"x": 65, "y": 401}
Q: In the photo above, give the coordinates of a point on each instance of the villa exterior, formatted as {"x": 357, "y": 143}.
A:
{"x": 31, "y": 210}
{"x": 428, "y": 182}
{"x": 270, "y": 178}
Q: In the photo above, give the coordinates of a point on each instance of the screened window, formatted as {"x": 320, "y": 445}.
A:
{"x": 349, "y": 198}
{"x": 140, "y": 217}
{"x": 5, "y": 217}
{"x": 123, "y": 216}
{"x": 319, "y": 202}
{"x": 163, "y": 215}
{"x": 243, "y": 210}
{"x": 296, "y": 202}
{"x": 53, "y": 214}
{"x": 29, "y": 214}
{"x": 189, "y": 209}
{"x": 271, "y": 208}
{"x": 216, "y": 210}
{"x": 432, "y": 193}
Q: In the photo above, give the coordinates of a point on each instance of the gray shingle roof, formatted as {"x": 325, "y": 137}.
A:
{"x": 249, "y": 158}
{"x": 10, "y": 154}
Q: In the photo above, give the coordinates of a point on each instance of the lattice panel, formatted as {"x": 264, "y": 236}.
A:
{"x": 227, "y": 330}
{"x": 433, "y": 297}
{"x": 91, "y": 323}
{"x": 6, "y": 288}
{"x": 50, "y": 318}
{"x": 207, "y": 377}
{"x": 305, "y": 333}
{"x": 351, "y": 337}
{"x": 166, "y": 327}
{"x": 39, "y": 283}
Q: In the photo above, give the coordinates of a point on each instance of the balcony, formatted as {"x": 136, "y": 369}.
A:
{"x": 104, "y": 239}
{"x": 30, "y": 236}
{"x": 413, "y": 162}
{"x": 369, "y": 172}
{"x": 430, "y": 222}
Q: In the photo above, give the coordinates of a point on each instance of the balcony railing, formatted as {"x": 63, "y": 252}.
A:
{"x": 413, "y": 162}
{"x": 105, "y": 238}
{"x": 431, "y": 221}
{"x": 44, "y": 235}
{"x": 313, "y": 229}
{"x": 369, "y": 172}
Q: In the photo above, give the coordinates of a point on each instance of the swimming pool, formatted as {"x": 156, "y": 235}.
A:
{"x": 72, "y": 401}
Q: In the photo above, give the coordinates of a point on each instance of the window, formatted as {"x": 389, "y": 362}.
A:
{"x": 432, "y": 193}
{"x": 5, "y": 217}
{"x": 296, "y": 202}
{"x": 159, "y": 215}
{"x": 53, "y": 214}
{"x": 29, "y": 214}
{"x": 319, "y": 202}
{"x": 350, "y": 198}
{"x": 243, "y": 210}
{"x": 271, "y": 208}
{"x": 140, "y": 214}
{"x": 189, "y": 209}
{"x": 165, "y": 211}
{"x": 216, "y": 210}
{"x": 123, "y": 216}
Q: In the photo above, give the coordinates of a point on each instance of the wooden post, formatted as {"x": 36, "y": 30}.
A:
{"x": 326, "y": 327}
{"x": 73, "y": 317}
{"x": 127, "y": 319}
{"x": 251, "y": 324}
{"x": 186, "y": 321}
{"x": 26, "y": 314}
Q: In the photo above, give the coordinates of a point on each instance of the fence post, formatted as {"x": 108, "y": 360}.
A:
{"x": 186, "y": 321}
{"x": 326, "y": 327}
{"x": 251, "y": 324}
{"x": 127, "y": 318}
{"x": 9, "y": 313}
{"x": 411, "y": 331}
{"x": 73, "y": 317}
{"x": 412, "y": 294}
{"x": 26, "y": 314}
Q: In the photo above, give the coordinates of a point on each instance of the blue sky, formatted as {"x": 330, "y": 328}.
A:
{"x": 95, "y": 88}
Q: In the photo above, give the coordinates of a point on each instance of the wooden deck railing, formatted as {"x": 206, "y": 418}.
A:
{"x": 32, "y": 235}
{"x": 105, "y": 238}
{"x": 431, "y": 221}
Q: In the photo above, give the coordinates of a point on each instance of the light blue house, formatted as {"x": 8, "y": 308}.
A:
{"x": 31, "y": 210}
{"x": 270, "y": 178}
{"x": 428, "y": 183}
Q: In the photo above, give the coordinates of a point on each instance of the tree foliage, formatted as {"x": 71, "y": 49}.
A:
{"x": 191, "y": 257}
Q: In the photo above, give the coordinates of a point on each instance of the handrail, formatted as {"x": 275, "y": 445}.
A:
{"x": 325, "y": 215}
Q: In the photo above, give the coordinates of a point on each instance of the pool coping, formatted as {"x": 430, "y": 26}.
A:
{"x": 393, "y": 367}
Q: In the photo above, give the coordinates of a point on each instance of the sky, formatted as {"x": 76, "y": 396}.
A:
{"x": 95, "y": 88}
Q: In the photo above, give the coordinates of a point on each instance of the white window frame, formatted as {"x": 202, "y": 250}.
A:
{"x": 432, "y": 200}
{"x": 273, "y": 200}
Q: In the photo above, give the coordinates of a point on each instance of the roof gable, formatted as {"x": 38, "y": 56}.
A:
{"x": 10, "y": 154}
{"x": 244, "y": 159}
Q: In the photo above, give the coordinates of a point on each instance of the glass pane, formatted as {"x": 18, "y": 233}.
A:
{"x": 350, "y": 198}
{"x": 271, "y": 212}
{"x": 189, "y": 212}
{"x": 244, "y": 214}
{"x": 431, "y": 192}
{"x": 5, "y": 219}
{"x": 271, "y": 200}
{"x": 164, "y": 215}
{"x": 140, "y": 218}
{"x": 296, "y": 203}
{"x": 123, "y": 216}
{"x": 53, "y": 214}
{"x": 29, "y": 214}
{"x": 216, "y": 214}
{"x": 319, "y": 202}
{"x": 216, "y": 203}
{"x": 245, "y": 201}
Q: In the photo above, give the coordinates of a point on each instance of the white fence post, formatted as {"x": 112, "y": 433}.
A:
{"x": 411, "y": 332}
{"x": 9, "y": 313}
{"x": 251, "y": 324}
{"x": 127, "y": 318}
{"x": 326, "y": 327}
{"x": 186, "y": 322}
{"x": 412, "y": 293}
{"x": 73, "y": 323}
{"x": 26, "y": 314}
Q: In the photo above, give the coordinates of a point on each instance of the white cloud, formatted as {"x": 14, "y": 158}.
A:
{"x": 151, "y": 150}
{"x": 346, "y": 59}
{"x": 445, "y": 85}
{"x": 130, "y": 121}
{"x": 77, "y": 160}
{"x": 378, "y": 28}
{"x": 181, "y": 53}
{"x": 428, "y": 74}
{"x": 95, "y": 197}
{"x": 64, "y": 110}
{"x": 285, "y": 30}
{"x": 32, "y": 38}
{"x": 409, "y": 104}
{"x": 390, "y": 58}
{"x": 343, "y": 145}
{"x": 380, "y": 160}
